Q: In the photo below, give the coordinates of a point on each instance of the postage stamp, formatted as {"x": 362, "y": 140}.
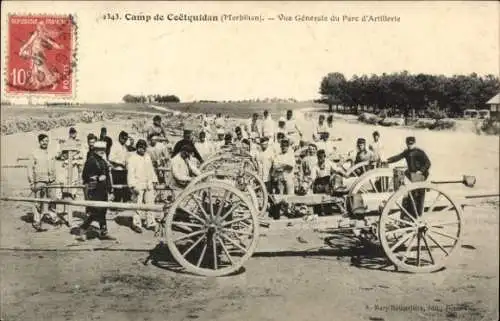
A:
{"x": 41, "y": 55}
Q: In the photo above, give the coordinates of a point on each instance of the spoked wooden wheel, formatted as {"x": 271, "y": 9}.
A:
{"x": 212, "y": 229}
{"x": 246, "y": 181}
{"x": 358, "y": 169}
{"x": 419, "y": 227}
{"x": 374, "y": 181}
{"x": 229, "y": 162}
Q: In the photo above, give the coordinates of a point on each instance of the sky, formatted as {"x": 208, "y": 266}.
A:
{"x": 242, "y": 60}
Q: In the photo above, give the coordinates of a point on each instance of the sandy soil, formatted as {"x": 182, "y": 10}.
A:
{"x": 45, "y": 277}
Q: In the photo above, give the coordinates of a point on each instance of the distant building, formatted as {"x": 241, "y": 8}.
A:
{"x": 494, "y": 104}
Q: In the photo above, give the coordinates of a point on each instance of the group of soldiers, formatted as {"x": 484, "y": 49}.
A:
{"x": 129, "y": 172}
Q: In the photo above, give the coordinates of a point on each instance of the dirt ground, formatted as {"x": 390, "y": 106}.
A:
{"x": 45, "y": 276}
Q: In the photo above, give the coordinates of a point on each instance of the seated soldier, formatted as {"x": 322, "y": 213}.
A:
{"x": 183, "y": 167}
{"x": 323, "y": 173}
{"x": 309, "y": 161}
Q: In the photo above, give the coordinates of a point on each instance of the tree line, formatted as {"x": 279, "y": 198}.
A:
{"x": 404, "y": 93}
{"x": 151, "y": 99}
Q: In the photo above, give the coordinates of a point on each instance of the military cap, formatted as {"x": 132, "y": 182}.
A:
{"x": 361, "y": 141}
{"x": 410, "y": 140}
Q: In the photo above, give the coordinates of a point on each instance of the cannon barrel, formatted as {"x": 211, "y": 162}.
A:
{"x": 99, "y": 204}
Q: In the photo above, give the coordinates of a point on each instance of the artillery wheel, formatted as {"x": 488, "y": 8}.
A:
{"x": 247, "y": 182}
{"x": 212, "y": 229}
{"x": 219, "y": 161}
{"x": 419, "y": 227}
{"x": 375, "y": 181}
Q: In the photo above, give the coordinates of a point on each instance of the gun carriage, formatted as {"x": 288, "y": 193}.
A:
{"x": 212, "y": 226}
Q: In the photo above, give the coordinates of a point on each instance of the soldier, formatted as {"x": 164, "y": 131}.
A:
{"x": 252, "y": 127}
{"x": 376, "y": 146}
{"x": 42, "y": 174}
{"x": 319, "y": 128}
{"x": 418, "y": 170}
{"x": 267, "y": 128}
{"x": 282, "y": 169}
{"x": 363, "y": 154}
{"x": 293, "y": 131}
{"x": 183, "y": 167}
{"x": 186, "y": 140}
{"x": 156, "y": 129}
{"x": 159, "y": 156}
{"x": 118, "y": 160}
{"x": 141, "y": 179}
{"x": 97, "y": 179}
{"x": 91, "y": 140}
{"x": 204, "y": 147}
{"x": 265, "y": 160}
{"x": 105, "y": 138}
{"x": 322, "y": 173}
{"x": 416, "y": 159}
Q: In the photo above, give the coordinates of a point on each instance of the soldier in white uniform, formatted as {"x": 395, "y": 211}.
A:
{"x": 265, "y": 159}
{"x": 41, "y": 170}
{"x": 293, "y": 131}
{"x": 282, "y": 169}
{"x": 268, "y": 127}
{"x": 141, "y": 179}
{"x": 183, "y": 168}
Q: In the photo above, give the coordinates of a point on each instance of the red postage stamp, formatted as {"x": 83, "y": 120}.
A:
{"x": 41, "y": 55}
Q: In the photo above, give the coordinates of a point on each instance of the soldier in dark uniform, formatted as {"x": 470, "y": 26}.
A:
{"x": 418, "y": 170}
{"x": 96, "y": 177}
{"x": 416, "y": 159}
{"x": 186, "y": 140}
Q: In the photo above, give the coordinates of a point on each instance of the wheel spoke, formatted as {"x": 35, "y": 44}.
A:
{"x": 373, "y": 186}
{"x": 190, "y": 235}
{"x": 401, "y": 221}
{"x": 444, "y": 234}
{"x": 401, "y": 241}
{"x": 444, "y": 223}
{"x": 431, "y": 208}
{"x": 230, "y": 230}
{"x": 406, "y": 212}
{"x": 191, "y": 214}
{"x": 234, "y": 243}
{"x": 202, "y": 255}
{"x": 439, "y": 245}
{"x": 214, "y": 245}
{"x": 363, "y": 190}
{"x": 185, "y": 224}
{"x": 199, "y": 205}
{"x": 224, "y": 248}
{"x": 221, "y": 204}
{"x": 210, "y": 202}
{"x": 231, "y": 210}
{"x": 428, "y": 249}
{"x": 403, "y": 229}
{"x": 242, "y": 219}
{"x": 193, "y": 245}
{"x": 417, "y": 213}
{"x": 418, "y": 248}
{"x": 408, "y": 249}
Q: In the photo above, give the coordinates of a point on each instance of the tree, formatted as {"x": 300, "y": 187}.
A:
{"x": 333, "y": 89}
